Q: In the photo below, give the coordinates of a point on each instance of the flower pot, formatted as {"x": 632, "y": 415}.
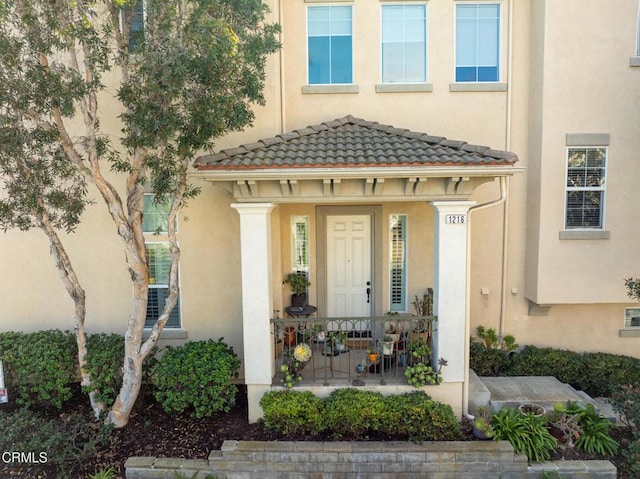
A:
{"x": 289, "y": 335}
{"x": 373, "y": 357}
{"x": 480, "y": 434}
{"x": 387, "y": 348}
{"x": 532, "y": 408}
{"x": 299, "y": 300}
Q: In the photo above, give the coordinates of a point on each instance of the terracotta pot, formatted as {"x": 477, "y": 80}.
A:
{"x": 289, "y": 335}
{"x": 373, "y": 357}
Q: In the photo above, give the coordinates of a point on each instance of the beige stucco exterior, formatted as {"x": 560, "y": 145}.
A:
{"x": 565, "y": 70}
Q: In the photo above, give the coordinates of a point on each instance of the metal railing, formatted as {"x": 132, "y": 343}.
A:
{"x": 349, "y": 350}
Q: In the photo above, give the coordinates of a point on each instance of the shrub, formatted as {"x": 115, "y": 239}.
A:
{"x": 626, "y": 402}
{"x": 353, "y": 412}
{"x": 105, "y": 353}
{"x": 631, "y": 458}
{"x": 39, "y": 367}
{"x": 416, "y": 416}
{"x": 565, "y": 365}
{"x": 197, "y": 376}
{"x": 489, "y": 362}
{"x": 64, "y": 442}
{"x": 607, "y": 372}
{"x": 292, "y": 412}
{"x": 528, "y": 434}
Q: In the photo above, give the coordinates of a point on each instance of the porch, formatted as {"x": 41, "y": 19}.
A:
{"x": 351, "y": 351}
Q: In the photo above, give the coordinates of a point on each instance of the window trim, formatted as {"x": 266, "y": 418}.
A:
{"x": 404, "y": 307}
{"x": 305, "y": 266}
{"x": 454, "y": 85}
{"x": 585, "y": 140}
{"x": 330, "y": 87}
{"x": 414, "y": 84}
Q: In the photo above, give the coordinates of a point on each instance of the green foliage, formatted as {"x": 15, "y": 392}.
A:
{"x": 607, "y": 372}
{"x": 39, "y": 367}
{"x": 421, "y": 374}
{"x": 626, "y": 402}
{"x": 416, "y": 416}
{"x": 633, "y": 288}
{"x": 424, "y": 306}
{"x": 292, "y": 412}
{"x": 595, "y": 436}
{"x": 298, "y": 283}
{"x": 197, "y": 376}
{"x": 353, "y": 412}
{"x": 631, "y": 458}
{"x": 108, "y": 473}
{"x": 104, "y": 364}
{"x": 492, "y": 340}
{"x": 527, "y": 434}
{"x": 67, "y": 440}
{"x": 489, "y": 362}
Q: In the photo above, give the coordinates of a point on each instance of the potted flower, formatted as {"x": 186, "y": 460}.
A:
{"x": 387, "y": 345}
{"x": 482, "y": 427}
{"x": 299, "y": 283}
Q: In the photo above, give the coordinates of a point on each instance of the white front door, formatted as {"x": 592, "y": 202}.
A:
{"x": 349, "y": 288}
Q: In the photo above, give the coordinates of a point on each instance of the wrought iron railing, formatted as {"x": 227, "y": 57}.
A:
{"x": 349, "y": 350}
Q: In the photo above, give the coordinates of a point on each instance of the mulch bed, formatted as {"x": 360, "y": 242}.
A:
{"x": 151, "y": 432}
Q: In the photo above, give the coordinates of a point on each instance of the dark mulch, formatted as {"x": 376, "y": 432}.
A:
{"x": 151, "y": 432}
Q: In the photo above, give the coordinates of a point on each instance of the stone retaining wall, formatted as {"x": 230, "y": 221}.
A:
{"x": 345, "y": 460}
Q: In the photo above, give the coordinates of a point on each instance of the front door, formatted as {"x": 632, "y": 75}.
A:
{"x": 349, "y": 289}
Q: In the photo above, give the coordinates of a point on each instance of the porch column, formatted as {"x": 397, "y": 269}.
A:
{"x": 450, "y": 285}
{"x": 255, "y": 248}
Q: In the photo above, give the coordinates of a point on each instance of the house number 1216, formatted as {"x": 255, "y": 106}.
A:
{"x": 455, "y": 219}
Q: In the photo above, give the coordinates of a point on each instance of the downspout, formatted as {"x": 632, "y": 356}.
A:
{"x": 467, "y": 319}
{"x": 504, "y": 192}
{"x": 282, "y": 70}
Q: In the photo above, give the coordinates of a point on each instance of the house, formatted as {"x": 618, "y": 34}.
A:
{"x": 495, "y": 142}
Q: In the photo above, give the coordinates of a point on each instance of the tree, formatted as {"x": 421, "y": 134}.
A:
{"x": 633, "y": 288}
{"x": 196, "y": 71}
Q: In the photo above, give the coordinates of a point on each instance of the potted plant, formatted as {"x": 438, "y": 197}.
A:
{"x": 373, "y": 355}
{"x": 532, "y": 408}
{"x": 299, "y": 283}
{"x": 387, "y": 345}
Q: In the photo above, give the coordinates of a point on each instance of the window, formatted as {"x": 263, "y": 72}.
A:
{"x": 404, "y": 43}
{"x": 477, "y": 42}
{"x": 398, "y": 263}
{"x": 300, "y": 244}
{"x": 154, "y": 222}
{"x": 586, "y": 174}
{"x": 138, "y": 17}
{"x": 330, "y": 45}
{"x": 159, "y": 258}
{"x": 632, "y": 318}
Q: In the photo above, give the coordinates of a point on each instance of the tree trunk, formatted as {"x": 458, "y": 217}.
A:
{"x": 77, "y": 294}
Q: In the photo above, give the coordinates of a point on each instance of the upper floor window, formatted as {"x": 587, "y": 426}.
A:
{"x": 632, "y": 317}
{"x": 138, "y": 17}
{"x": 404, "y": 43}
{"x": 586, "y": 175}
{"x": 330, "y": 45}
{"x": 477, "y": 42}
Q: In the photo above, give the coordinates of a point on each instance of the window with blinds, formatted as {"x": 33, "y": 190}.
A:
{"x": 300, "y": 244}
{"x": 398, "y": 263}
{"x": 585, "y": 188}
{"x": 632, "y": 318}
{"x": 159, "y": 260}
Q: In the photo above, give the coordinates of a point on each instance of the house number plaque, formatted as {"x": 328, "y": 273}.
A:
{"x": 455, "y": 219}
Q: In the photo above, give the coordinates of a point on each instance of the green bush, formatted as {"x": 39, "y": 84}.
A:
{"x": 631, "y": 458}
{"x": 196, "y": 376}
{"x": 105, "y": 353}
{"x": 528, "y": 434}
{"x": 353, "y": 412}
{"x": 606, "y": 373}
{"x": 39, "y": 367}
{"x": 64, "y": 442}
{"x": 416, "y": 416}
{"x": 626, "y": 402}
{"x": 489, "y": 362}
{"x": 565, "y": 365}
{"x": 292, "y": 412}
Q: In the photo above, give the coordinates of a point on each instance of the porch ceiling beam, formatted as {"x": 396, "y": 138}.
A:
{"x": 421, "y": 185}
{"x": 464, "y": 186}
{"x": 410, "y": 186}
{"x": 284, "y": 187}
{"x": 294, "y": 187}
{"x": 451, "y": 184}
{"x": 326, "y": 187}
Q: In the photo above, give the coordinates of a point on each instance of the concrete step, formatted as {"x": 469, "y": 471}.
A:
{"x": 479, "y": 395}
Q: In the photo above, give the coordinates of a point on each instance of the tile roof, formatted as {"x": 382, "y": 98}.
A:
{"x": 351, "y": 142}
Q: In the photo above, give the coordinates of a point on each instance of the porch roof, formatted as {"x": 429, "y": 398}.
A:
{"x": 354, "y": 143}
